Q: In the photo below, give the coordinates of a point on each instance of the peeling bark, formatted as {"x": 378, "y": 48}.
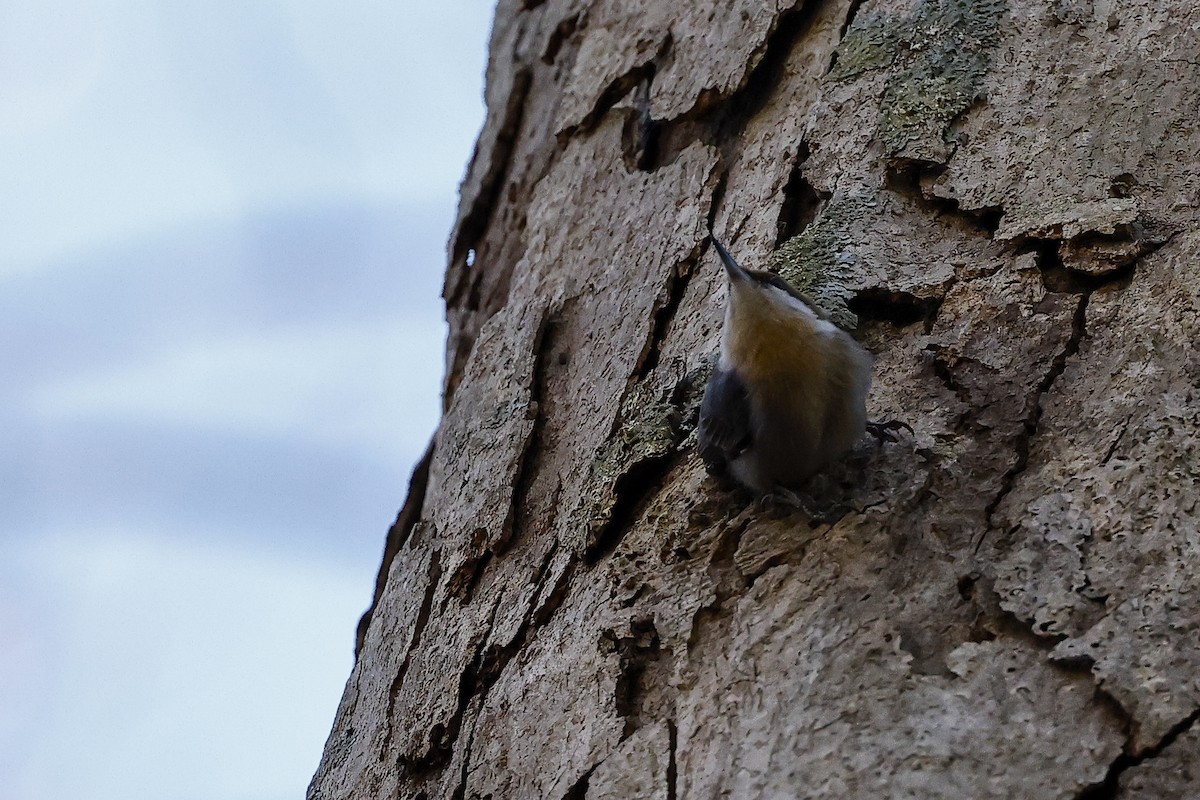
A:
{"x": 1005, "y": 196}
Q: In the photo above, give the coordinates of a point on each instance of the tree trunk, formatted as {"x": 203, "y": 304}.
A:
{"x": 1004, "y": 605}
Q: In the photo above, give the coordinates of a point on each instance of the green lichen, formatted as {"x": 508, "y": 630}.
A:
{"x": 941, "y": 53}
{"x": 648, "y": 428}
{"x": 871, "y": 43}
{"x": 820, "y": 261}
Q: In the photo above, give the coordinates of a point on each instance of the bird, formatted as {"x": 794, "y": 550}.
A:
{"x": 788, "y": 393}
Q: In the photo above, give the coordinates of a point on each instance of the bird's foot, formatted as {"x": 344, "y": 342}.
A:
{"x": 883, "y": 431}
{"x": 783, "y": 502}
{"x": 782, "y": 499}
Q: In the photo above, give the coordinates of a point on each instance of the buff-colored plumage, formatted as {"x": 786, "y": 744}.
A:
{"x": 792, "y": 386}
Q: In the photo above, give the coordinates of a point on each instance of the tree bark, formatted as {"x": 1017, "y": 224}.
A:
{"x": 1006, "y": 196}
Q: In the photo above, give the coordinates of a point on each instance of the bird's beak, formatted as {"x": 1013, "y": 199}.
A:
{"x": 732, "y": 268}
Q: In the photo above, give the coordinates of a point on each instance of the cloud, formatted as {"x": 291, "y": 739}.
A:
{"x": 173, "y": 481}
{"x": 356, "y": 386}
{"x": 320, "y": 264}
{"x": 282, "y": 369}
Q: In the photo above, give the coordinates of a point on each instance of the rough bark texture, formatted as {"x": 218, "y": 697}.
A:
{"x": 1005, "y": 605}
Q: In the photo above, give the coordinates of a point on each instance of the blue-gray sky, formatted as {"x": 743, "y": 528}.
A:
{"x": 222, "y": 231}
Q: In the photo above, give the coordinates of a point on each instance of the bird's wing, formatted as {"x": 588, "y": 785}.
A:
{"x": 724, "y": 431}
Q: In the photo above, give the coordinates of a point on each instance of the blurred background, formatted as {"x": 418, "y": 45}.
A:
{"x": 222, "y": 232}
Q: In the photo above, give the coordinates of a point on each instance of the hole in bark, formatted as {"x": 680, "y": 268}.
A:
{"x": 466, "y": 578}
{"x": 914, "y": 178}
{"x": 899, "y": 308}
{"x": 801, "y": 201}
{"x": 906, "y": 176}
{"x": 767, "y": 74}
{"x": 647, "y": 150}
{"x": 637, "y": 652}
{"x": 990, "y": 218}
{"x": 718, "y": 198}
{"x": 563, "y": 31}
{"x": 927, "y": 647}
{"x": 1122, "y": 185}
{"x": 717, "y": 119}
{"x": 1057, "y": 277}
{"x": 641, "y": 74}
{"x": 642, "y": 130}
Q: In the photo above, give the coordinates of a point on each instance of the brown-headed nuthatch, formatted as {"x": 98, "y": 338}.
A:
{"x": 789, "y": 393}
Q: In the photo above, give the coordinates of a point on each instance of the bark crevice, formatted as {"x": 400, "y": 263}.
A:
{"x": 397, "y": 537}
{"x": 477, "y": 219}
{"x": 617, "y": 90}
{"x": 1024, "y": 440}
{"x": 1110, "y": 787}
{"x": 665, "y": 307}
{"x": 432, "y": 578}
{"x": 718, "y": 120}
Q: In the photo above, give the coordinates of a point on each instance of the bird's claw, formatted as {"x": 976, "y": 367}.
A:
{"x": 883, "y": 431}
{"x": 782, "y": 499}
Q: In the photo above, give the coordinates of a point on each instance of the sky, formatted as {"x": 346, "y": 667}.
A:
{"x": 222, "y": 237}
